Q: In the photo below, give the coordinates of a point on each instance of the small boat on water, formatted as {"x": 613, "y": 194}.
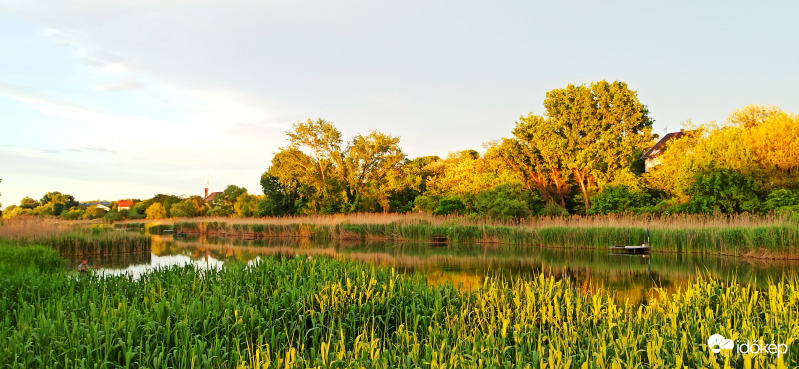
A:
{"x": 643, "y": 248}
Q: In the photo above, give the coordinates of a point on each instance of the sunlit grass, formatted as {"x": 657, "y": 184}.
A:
{"x": 324, "y": 313}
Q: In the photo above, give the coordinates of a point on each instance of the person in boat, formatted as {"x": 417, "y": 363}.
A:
{"x": 83, "y": 267}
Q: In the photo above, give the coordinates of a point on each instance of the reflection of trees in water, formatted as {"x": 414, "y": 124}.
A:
{"x": 627, "y": 277}
{"x": 115, "y": 261}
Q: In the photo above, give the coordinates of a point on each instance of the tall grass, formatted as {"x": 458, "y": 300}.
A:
{"x": 323, "y": 313}
{"x": 72, "y": 238}
{"x": 41, "y": 258}
{"x": 674, "y": 221}
{"x": 765, "y": 241}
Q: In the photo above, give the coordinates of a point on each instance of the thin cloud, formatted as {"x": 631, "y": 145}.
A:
{"x": 123, "y": 85}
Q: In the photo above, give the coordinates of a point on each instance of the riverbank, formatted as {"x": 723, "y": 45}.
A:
{"x": 73, "y": 238}
{"x": 765, "y": 239}
{"x": 321, "y": 312}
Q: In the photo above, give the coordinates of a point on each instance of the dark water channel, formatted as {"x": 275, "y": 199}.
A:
{"x": 632, "y": 278}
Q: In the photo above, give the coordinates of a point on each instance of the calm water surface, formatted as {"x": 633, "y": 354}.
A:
{"x": 629, "y": 278}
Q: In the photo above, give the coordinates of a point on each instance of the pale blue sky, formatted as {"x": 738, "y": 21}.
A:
{"x": 121, "y": 98}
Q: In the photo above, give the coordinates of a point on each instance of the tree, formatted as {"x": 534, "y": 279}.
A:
{"x": 224, "y": 203}
{"x": 322, "y": 140}
{"x": 191, "y": 207}
{"x": 246, "y": 205}
{"x": 408, "y": 182}
{"x": 59, "y": 202}
{"x": 723, "y": 190}
{"x": 369, "y": 160}
{"x": 619, "y": 199}
{"x": 93, "y": 212}
{"x": 336, "y": 179}
{"x": 508, "y": 201}
{"x": 587, "y": 137}
{"x": 156, "y": 211}
{"x": 28, "y": 203}
{"x": 278, "y": 199}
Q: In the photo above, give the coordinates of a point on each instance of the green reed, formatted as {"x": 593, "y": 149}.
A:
{"x": 325, "y": 313}
{"x": 776, "y": 241}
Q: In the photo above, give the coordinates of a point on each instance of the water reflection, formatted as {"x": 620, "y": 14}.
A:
{"x": 630, "y": 278}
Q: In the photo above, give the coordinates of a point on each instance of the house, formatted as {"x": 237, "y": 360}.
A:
{"x": 212, "y": 196}
{"x": 651, "y": 156}
{"x": 124, "y": 204}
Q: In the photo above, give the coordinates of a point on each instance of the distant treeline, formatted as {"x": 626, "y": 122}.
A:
{"x": 584, "y": 155}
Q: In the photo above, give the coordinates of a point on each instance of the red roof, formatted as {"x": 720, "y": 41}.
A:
{"x": 657, "y": 149}
{"x": 124, "y": 203}
{"x": 212, "y": 196}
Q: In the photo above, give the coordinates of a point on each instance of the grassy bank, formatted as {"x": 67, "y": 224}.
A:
{"x": 769, "y": 240}
{"x": 297, "y": 313}
{"x": 72, "y": 238}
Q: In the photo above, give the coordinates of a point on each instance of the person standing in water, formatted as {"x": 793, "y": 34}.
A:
{"x": 83, "y": 267}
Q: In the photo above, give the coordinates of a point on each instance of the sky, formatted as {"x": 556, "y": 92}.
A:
{"x": 113, "y": 99}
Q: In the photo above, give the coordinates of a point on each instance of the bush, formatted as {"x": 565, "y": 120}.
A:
{"x": 552, "y": 209}
{"x": 780, "y": 198}
{"x": 723, "y": 190}
{"x": 619, "y": 199}
{"x": 449, "y": 205}
{"x": 507, "y": 201}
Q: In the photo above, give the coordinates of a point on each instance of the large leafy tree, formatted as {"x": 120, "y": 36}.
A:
{"x": 367, "y": 163}
{"x": 588, "y": 137}
{"x": 224, "y": 203}
{"x": 335, "y": 178}
{"x": 756, "y": 142}
{"x": 58, "y": 202}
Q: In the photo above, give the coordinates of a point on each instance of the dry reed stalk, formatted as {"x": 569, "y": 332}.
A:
{"x": 674, "y": 221}
{"x": 33, "y": 227}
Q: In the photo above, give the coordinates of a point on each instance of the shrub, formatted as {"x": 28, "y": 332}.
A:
{"x": 619, "y": 199}
{"x": 507, "y": 201}
{"x": 552, "y": 209}
{"x": 449, "y": 205}
{"x": 781, "y": 197}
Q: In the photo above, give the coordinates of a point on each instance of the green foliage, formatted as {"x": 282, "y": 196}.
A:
{"x": 298, "y": 313}
{"x": 450, "y": 205}
{"x": 75, "y": 213}
{"x": 156, "y": 211}
{"x": 552, "y": 209}
{"x": 58, "y": 202}
{"x": 507, "y": 201}
{"x": 279, "y": 199}
{"x": 619, "y": 199}
{"x": 41, "y": 258}
{"x": 113, "y": 216}
{"x": 589, "y": 136}
{"x": 224, "y": 203}
{"x": 781, "y": 197}
{"x": 93, "y": 212}
{"x": 28, "y": 203}
{"x": 338, "y": 179}
{"x": 723, "y": 190}
{"x": 191, "y": 207}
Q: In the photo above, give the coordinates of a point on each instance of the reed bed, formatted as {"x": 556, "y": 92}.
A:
{"x": 762, "y": 241}
{"x": 71, "y": 238}
{"x": 94, "y": 242}
{"x": 326, "y": 313}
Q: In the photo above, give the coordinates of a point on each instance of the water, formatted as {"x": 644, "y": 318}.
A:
{"x": 633, "y": 278}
